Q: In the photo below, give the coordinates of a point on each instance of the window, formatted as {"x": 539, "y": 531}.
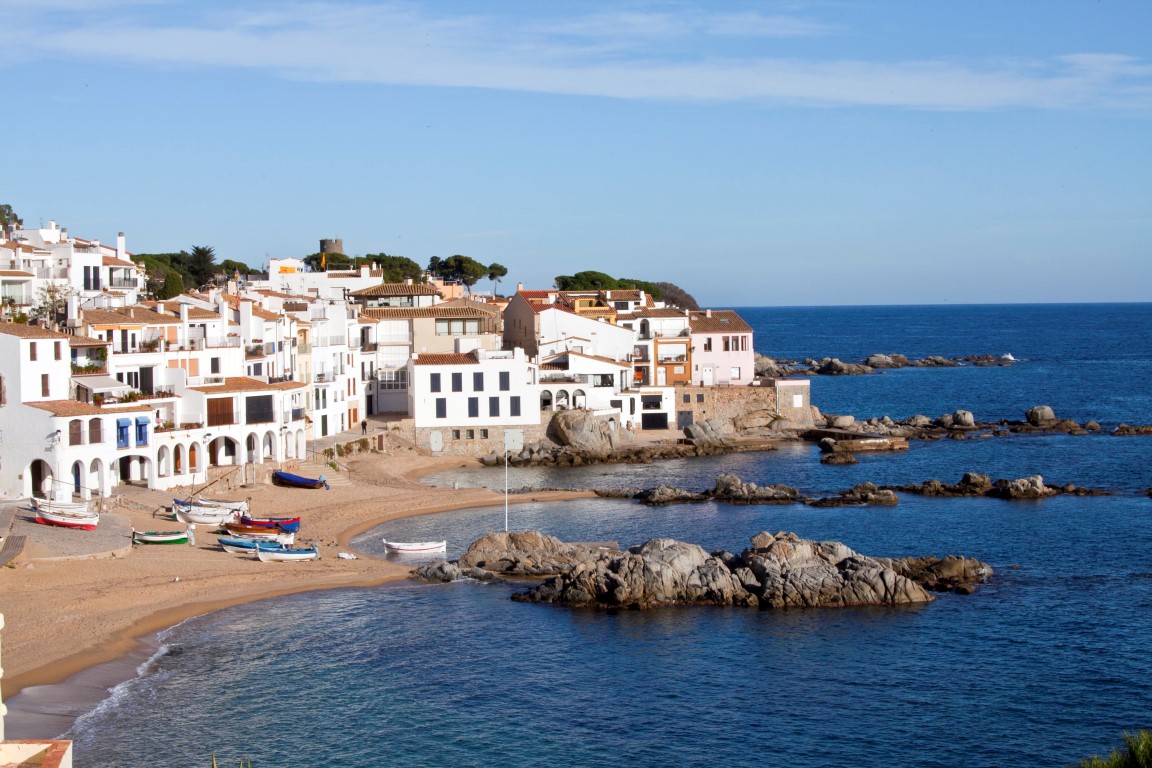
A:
{"x": 493, "y": 406}
{"x": 700, "y": 397}
{"x": 457, "y": 382}
{"x": 96, "y": 431}
{"x": 735, "y": 373}
{"x": 727, "y": 343}
{"x": 32, "y": 350}
{"x": 455, "y": 434}
{"x": 434, "y": 382}
{"x": 122, "y": 426}
{"x": 483, "y": 434}
{"x": 45, "y": 385}
{"x": 214, "y": 365}
{"x": 687, "y": 397}
{"x": 394, "y": 380}
{"x": 505, "y": 381}
{"x": 75, "y": 432}
{"x": 457, "y": 327}
{"x": 707, "y": 343}
{"x": 56, "y": 346}
{"x": 141, "y": 430}
{"x": 259, "y": 409}
{"x": 478, "y": 382}
{"x": 514, "y": 406}
{"x": 469, "y": 434}
{"x": 473, "y": 407}
{"x": 441, "y": 408}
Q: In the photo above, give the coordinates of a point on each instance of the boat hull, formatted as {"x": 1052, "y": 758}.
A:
{"x": 79, "y": 523}
{"x": 296, "y": 481}
{"x": 410, "y": 547}
{"x": 246, "y": 546}
{"x": 287, "y": 555}
{"x": 202, "y": 516}
{"x": 286, "y": 524}
{"x": 160, "y": 537}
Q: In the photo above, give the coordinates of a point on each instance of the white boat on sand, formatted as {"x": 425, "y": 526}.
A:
{"x": 287, "y": 554}
{"x": 408, "y": 547}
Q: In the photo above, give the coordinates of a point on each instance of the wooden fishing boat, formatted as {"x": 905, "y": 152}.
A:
{"x": 73, "y": 507}
{"x": 286, "y": 554}
{"x": 407, "y": 547}
{"x": 198, "y": 515}
{"x": 286, "y": 524}
{"x": 246, "y": 546}
{"x": 296, "y": 481}
{"x": 160, "y": 537}
{"x": 86, "y": 521}
{"x": 200, "y": 501}
{"x": 238, "y": 531}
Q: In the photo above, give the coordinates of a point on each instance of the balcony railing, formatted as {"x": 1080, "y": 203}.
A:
{"x": 368, "y": 346}
{"x": 123, "y": 282}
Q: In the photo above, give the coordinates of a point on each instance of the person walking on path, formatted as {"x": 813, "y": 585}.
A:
{"x": 364, "y": 426}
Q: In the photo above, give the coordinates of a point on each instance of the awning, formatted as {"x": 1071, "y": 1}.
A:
{"x": 99, "y": 384}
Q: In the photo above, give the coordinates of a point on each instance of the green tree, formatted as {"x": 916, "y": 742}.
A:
{"x": 598, "y": 281}
{"x": 331, "y": 261}
{"x": 495, "y": 272}
{"x": 228, "y": 267}
{"x": 52, "y": 301}
{"x": 458, "y": 268}
{"x": 676, "y": 296}
{"x": 8, "y": 216}
{"x": 200, "y": 264}
{"x": 172, "y": 284}
{"x": 396, "y": 268}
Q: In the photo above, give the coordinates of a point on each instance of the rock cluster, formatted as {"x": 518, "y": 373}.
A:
{"x": 777, "y": 571}
{"x": 960, "y": 424}
{"x": 859, "y": 495}
{"x": 529, "y": 553}
{"x": 975, "y": 484}
{"x": 729, "y": 488}
{"x": 834, "y": 366}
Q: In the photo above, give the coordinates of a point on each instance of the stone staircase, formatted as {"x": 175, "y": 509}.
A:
{"x": 314, "y": 469}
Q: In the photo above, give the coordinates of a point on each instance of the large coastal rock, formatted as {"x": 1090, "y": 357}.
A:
{"x": 777, "y": 571}
{"x": 976, "y": 484}
{"x": 729, "y": 488}
{"x": 583, "y": 431}
{"x": 530, "y": 553}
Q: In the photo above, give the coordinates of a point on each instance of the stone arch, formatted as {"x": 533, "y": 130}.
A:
{"x": 545, "y": 400}
{"x": 252, "y": 448}
{"x": 563, "y": 402}
{"x": 178, "y": 467}
{"x": 163, "y": 462}
{"x": 268, "y": 447}
{"x": 579, "y": 399}
{"x": 38, "y": 472}
{"x": 78, "y": 478}
{"x": 96, "y": 479}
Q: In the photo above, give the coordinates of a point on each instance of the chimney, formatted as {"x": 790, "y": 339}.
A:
{"x": 120, "y": 249}
{"x": 519, "y": 287}
{"x": 708, "y": 313}
{"x": 407, "y": 281}
{"x": 160, "y": 307}
{"x": 183, "y": 312}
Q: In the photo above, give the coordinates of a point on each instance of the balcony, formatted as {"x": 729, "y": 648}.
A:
{"x": 368, "y": 346}
{"x": 123, "y": 282}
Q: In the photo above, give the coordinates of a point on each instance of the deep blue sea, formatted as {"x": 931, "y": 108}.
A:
{"x": 1046, "y": 664}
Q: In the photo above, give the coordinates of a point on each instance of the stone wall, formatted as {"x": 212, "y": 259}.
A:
{"x": 471, "y": 442}
{"x": 723, "y": 402}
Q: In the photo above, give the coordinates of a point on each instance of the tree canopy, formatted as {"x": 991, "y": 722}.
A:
{"x": 598, "y": 281}
{"x": 196, "y": 267}
{"x": 462, "y": 269}
{"x": 8, "y": 216}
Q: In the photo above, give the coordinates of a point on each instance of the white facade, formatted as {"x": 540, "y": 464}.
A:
{"x": 475, "y": 390}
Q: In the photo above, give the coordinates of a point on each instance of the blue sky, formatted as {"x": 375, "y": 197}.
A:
{"x": 791, "y": 153}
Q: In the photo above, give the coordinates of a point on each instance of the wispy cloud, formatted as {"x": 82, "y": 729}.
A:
{"x": 678, "y": 54}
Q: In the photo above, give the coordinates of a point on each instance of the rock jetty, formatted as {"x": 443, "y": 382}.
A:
{"x": 778, "y": 571}
{"x": 975, "y": 484}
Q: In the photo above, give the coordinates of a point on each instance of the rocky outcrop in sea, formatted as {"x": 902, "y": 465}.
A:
{"x": 975, "y": 484}
{"x": 778, "y": 571}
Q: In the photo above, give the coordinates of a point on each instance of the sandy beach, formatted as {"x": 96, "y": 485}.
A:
{"x": 63, "y": 616}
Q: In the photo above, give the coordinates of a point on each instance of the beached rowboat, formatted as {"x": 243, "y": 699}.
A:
{"x": 404, "y": 547}
{"x": 303, "y": 553}
{"x": 286, "y": 524}
{"x": 86, "y": 521}
{"x": 296, "y": 481}
{"x": 71, "y": 507}
{"x": 237, "y": 531}
{"x": 235, "y": 506}
{"x": 160, "y": 537}
{"x": 198, "y": 515}
{"x": 247, "y": 546}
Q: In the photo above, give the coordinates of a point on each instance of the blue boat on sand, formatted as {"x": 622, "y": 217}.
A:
{"x": 296, "y": 481}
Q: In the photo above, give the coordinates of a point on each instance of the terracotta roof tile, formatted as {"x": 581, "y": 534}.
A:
{"x": 445, "y": 359}
{"x": 245, "y": 384}
{"x": 15, "y": 273}
{"x": 76, "y": 408}
{"x": 404, "y": 313}
{"x": 112, "y": 261}
{"x": 396, "y": 289}
{"x": 722, "y": 321}
{"x": 86, "y": 341}
{"x": 25, "y": 331}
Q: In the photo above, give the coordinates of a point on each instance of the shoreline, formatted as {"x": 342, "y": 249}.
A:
{"x": 127, "y": 633}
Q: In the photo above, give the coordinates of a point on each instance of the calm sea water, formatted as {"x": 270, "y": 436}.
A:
{"x": 1046, "y": 664}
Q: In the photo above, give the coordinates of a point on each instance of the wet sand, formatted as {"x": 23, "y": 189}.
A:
{"x": 63, "y": 617}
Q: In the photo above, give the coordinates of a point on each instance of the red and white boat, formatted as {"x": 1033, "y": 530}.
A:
{"x": 65, "y": 515}
{"x": 409, "y": 547}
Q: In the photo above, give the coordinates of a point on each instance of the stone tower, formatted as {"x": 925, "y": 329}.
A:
{"x": 333, "y": 245}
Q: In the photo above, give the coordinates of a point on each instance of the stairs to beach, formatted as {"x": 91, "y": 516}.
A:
{"x": 315, "y": 469}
